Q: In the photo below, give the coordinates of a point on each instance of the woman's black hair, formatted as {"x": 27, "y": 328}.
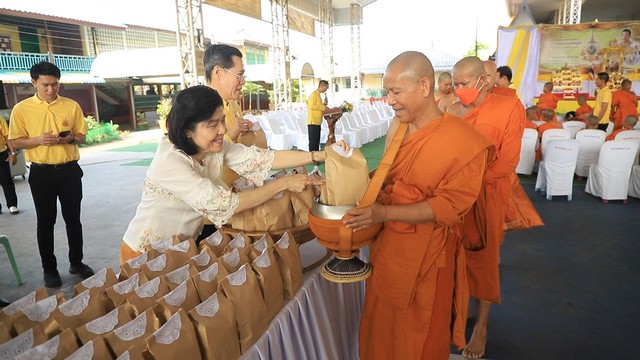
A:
{"x": 191, "y": 106}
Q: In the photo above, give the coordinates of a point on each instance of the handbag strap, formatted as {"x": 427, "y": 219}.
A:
{"x": 371, "y": 194}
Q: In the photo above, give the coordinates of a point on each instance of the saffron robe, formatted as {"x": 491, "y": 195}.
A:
{"x": 583, "y": 112}
{"x": 418, "y": 283}
{"x": 504, "y": 91}
{"x": 547, "y": 101}
{"x": 501, "y": 120}
{"x": 626, "y": 104}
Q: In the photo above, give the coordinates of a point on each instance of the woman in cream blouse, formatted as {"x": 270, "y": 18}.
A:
{"x": 178, "y": 188}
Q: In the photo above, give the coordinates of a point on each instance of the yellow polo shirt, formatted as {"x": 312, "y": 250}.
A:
{"x": 33, "y": 117}
{"x": 232, "y": 113}
{"x": 315, "y": 107}
{"x": 4, "y": 131}
{"x": 604, "y": 96}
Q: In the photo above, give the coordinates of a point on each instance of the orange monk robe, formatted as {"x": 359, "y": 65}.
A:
{"x": 547, "y": 101}
{"x": 613, "y": 134}
{"x": 528, "y": 124}
{"x": 521, "y": 214}
{"x": 548, "y": 125}
{"x": 583, "y": 112}
{"x": 417, "y": 292}
{"x": 501, "y": 120}
{"x": 627, "y": 104}
{"x": 504, "y": 91}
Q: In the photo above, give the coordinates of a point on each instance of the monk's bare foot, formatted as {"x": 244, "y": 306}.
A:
{"x": 477, "y": 343}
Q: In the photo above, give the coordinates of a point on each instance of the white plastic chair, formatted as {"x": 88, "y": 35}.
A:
{"x": 555, "y": 174}
{"x": 634, "y": 182}
{"x": 609, "y": 177}
{"x": 591, "y": 141}
{"x": 609, "y": 129}
{"x": 527, "y": 152}
{"x": 630, "y": 135}
{"x": 574, "y": 126}
{"x": 280, "y": 140}
{"x": 349, "y": 124}
{"x": 553, "y": 134}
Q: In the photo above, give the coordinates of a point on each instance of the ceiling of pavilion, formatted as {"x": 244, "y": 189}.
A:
{"x": 602, "y": 10}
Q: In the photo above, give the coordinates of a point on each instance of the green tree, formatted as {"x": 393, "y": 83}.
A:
{"x": 478, "y": 46}
{"x": 250, "y": 88}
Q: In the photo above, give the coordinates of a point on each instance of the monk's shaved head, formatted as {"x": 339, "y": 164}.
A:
{"x": 492, "y": 73}
{"x": 413, "y": 65}
{"x": 445, "y": 76}
{"x": 470, "y": 65}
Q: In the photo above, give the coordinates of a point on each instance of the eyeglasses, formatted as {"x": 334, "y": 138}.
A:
{"x": 241, "y": 77}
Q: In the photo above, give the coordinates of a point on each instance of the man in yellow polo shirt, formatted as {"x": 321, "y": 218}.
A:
{"x": 315, "y": 107}
{"x": 603, "y": 101}
{"x": 50, "y": 127}
{"x": 8, "y": 157}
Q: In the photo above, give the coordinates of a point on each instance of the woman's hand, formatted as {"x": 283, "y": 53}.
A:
{"x": 322, "y": 155}
{"x": 297, "y": 183}
{"x": 362, "y": 218}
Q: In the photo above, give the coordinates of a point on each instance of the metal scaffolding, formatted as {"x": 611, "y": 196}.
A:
{"x": 355, "y": 17}
{"x": 570, "y": 12}
{"x": 190, "y": 37}
{"x": 326, "y": 37}
{"x": 281, "y": 54}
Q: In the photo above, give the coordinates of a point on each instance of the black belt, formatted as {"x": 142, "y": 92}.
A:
{"x": 56, "y": 166}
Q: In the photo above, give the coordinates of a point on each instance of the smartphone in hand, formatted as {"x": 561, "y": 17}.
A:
{"x": 64, "y": 133}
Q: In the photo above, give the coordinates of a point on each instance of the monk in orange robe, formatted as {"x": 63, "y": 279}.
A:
{"x": 531, "y": 114}
{"x": 628, "y": 124}
{"x": 415, "y": 299}
{"x": 504, "y": 81}
{"x": 585, "y": 110}
{"x": 549, "y": 122}
{"x": 501, "y": 120}
{"x": 444, "y": 96}
{"x": 547, "y": 100}
{"x": 624, "y": 102}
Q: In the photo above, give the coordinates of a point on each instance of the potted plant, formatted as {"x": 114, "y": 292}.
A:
{"x": 163, "y": 108}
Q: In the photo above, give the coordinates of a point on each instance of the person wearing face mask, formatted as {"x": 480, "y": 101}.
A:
{"x": 501, "y": 120}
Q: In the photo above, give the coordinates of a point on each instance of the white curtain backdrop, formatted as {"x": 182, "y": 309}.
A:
{"x": 519, "y": 48}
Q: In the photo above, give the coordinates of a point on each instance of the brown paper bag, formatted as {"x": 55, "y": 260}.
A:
{"x": 158, "y": 266}
{"x": 346, "y": 178}
{"x": 22, "y": 343}
{"x": 133, "y": 353}
{"x": 145, "y": 296}
{"x": 216, "y": 327}
{"x": 178, "y": 276}
{"x": 274, "y": 214}
{"x": 4, "y": 334}
{"x": 133, "y": 266}
{"x": 105, "y": 324}
{"x": 92, "y": 349}
{"x": 242, "y": 289}
{"x": 117, "y": 292}
{"x": 258, "y": 246}
{"x": 185, "y": 296}
{"x": 57, "y": 348}
{"x": 181, "y": 252}
{"x": 233, "y": 260}
{"x": 133, "y": 333}
{"x": 302, "y": 203}
{"x": 101, "y": 280}
{"x": 175, "y": 339}
{"x": 206, "y": 281}
{"x": 158, "y": 247}
{"x": 216, "y": 242}
{"x": 240, "y": 242}
{"x": 14, "y": 307}
{"x": 255, "y": 137}
{"x": 203, "y": 260}
{"x": 268, "y": 276}
{"x": 289, "y": 263}
{"x": 39, "y": 314}
{"x": 81, "y": 309}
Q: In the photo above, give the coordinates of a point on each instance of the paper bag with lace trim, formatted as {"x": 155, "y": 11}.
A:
{"x": 240, "y": 242}
{"x": 207, "y": 280}
{"x": 268, "y": 276}
{"x": 255, "y": 136}
{"x": 340, "y": 166}
{"x": 216, "y": 242}
{"x": 233, "y": 260}
{"x": 14, "y": 307}
{"x": 133, "y": 266}
{"x": 302, "y": 202}
{"x": 274, "y": 214}
{"x": 106, "y": 323}
{"x": 134, "y": 353}
{"x": 95, "y": 348}
{"x": 184, "y": 297}
{"x": 81, "y": 309}
{"x": 158, "y": 247}
{"x": 145, "y": 296}
{"x": 258, "y": 246}
{"x": 39, "y": 314}
{"x": 216, "y": 328}
{"x": 158, "y": 266}
{"x": 101, "y": 280}
{"x": 178, "y": 276}
{"x": 56, "y": 348}
{"x": 133, "y": 333}
{"x": 242, "y": 289}
{"x": 174, "y": 339}
{"x": 4, "y": 334}
{"x": 181, "y": 252}
{"x": 22, "y": 343}
{"x": 203, "y": 260}
{"x": 117, "y": 292}
{"x": 289, "y": 263}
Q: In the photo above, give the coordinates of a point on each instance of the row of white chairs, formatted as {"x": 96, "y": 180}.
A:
{"x": 286, "y": 129}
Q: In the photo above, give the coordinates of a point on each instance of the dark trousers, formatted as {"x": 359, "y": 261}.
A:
{"x": 314, "y": 137}
{"x": 603, "y": 127}
{"x": 48, "y": 184}
{"x": 6, "y": 180}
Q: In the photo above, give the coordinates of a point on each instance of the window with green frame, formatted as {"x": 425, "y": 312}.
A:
{"x": 255, "y": 55}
